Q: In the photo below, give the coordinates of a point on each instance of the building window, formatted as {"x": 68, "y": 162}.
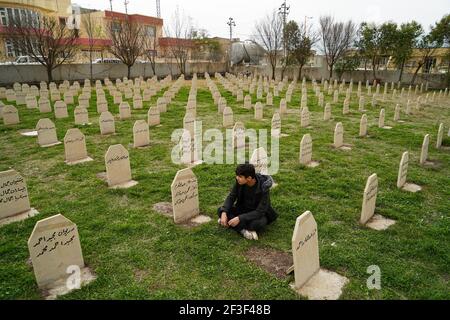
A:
{"x": 3, "y": 17}
{"x": 151, "y": 31}
{"x": 115, "y": 26}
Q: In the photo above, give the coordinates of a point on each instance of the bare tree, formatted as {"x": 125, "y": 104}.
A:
{"x": 93, "y": 30}
{"x": 127, "y": 39}
{"x": 180, "y": 42}
{"x": 269, "y": 33}
{"x": 337, "y": 37}
{"x": 151, "y": 47}
{"x": 47, "y": 40}
{"x": 427, "y": 48}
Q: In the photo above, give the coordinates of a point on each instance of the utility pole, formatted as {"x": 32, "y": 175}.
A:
{"x": 126, "y": 2}
{"x": 284, "y": 11}
{"x": 110, "y": 4}
{"x": 158, "y": 8}
{"x": 231, "y": 23}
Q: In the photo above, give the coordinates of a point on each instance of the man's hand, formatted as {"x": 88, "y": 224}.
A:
{"x": 234, "y": 222}
{"x": 224, "y": 220}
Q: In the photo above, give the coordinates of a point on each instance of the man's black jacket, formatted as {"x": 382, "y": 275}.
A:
{"x": 262, "y": 195}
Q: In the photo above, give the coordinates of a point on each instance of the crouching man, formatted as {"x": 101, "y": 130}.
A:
{"x": 247, "y": 208}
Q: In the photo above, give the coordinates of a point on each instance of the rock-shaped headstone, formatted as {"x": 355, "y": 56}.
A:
{"x": 47, "y": 133}
{"x": 118, "y": 169}
{"x": 141, "y": 134}
{"x": 185, "y": 201}
{"x": 107, "y": 123}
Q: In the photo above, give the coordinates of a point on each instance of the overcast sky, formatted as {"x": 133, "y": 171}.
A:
{"x": 213, "y": 15}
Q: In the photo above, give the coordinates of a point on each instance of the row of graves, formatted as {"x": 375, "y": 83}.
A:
{"x": 55, "y": 245}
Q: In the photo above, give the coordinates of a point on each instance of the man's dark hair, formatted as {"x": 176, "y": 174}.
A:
{"x": 246, "y": 170}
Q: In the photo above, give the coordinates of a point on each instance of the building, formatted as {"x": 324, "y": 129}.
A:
{"x": 84, "y": 20}
{"x": 60, "y": 9}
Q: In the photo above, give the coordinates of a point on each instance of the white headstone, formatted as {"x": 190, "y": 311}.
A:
{"x": 141, "y": 134}
{"x": 185, "y": 200}
{"x": 369, "y": 199}
{"x": 118, "y": 169}
{"x": 46, "y": 133}
{"x": 107, "y": 123}
{"x": 75, "y": 147}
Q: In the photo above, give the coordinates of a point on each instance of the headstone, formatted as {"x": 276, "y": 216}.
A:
{"x": 31, "y": 102}
{"x": 346, "y": 108}
{"x": 338, "y": 136}
{"x": 248, "y": 102}
{"x": 276, "y": 125}
{"x": 14, "y": 200}
{"x": 137, "y": 102}
{"x": 125, "y": 111}
{"x": 381, "y": 119}
{"x": 403, "y": 170}
{"x": 304, "y": 117}
{"x": 259, "y": 112}
{"x": 269, "y": 99}
{"x": 306, "y": 150}
{"x": 369, "y": 199}
{"x": 107, "y": 123}
{"x": 185, "y": 200}
{"x": 305, "y": 249}
{"x": 10, "y": 115}
{"x": 118, "y": 170}
{"x": 238, "y": 136}
{"x": 75, "y": 147}
{"x": 102, "y": 106}
{"x": 161, "y": 104}
{"x": 363, "y": 126}
{"x": 228, "y": 119}
{"x": 440, "y": 136}
{"x": 54, "y": 248}
{"x": 118, "y": 97}
{"x": 44, "y": 105}
{"x": 222, "y": 105}
{"x": 327, "y": 112}
{"x": 260, "y": 160}
{"x": 154, "y": 117}
{"x": 47, "y": 133}
{"x": 141, "y": 134}
{"x": 424, "y": 153}
{"x": 81, "y": 116}
{"x": 397, "y": 113}
{"x": 61, "y": 110}
{"x": 83, "y": 101}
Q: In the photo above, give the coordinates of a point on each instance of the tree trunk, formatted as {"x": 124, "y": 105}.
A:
{"x": 402, "y": 67}
{"x": 90, "y": 63}
{"x": 415, "y": 74}
{"x": 273, "y": 71}
{"x": 49, "y": 74}
{"x": 153, "y": 65}
{"x": 300, "y": 71}
{"x": 331, "y": 71}
{"x": 129, "y": 72}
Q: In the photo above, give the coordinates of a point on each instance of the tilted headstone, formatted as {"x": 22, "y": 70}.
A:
{"x": 141, "y": 133}
{"x": 369, "y": 199}
{"x": 54, "y": 246}
{"x": 185, "y": 201}
{"x": 424, "y": 152}
{"x": 107, "y": 123}
{"x": 403, "y": 170}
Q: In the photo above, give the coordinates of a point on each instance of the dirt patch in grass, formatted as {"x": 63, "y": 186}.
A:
{"x": 271, "y": 260}
{"x": 165, "y": 208}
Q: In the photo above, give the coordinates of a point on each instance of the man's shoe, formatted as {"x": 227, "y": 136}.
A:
{"x": 254, "y": 235}
{"x": 247, "y": 234}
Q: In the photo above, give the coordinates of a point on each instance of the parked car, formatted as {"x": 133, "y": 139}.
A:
{"x": 107, "y": 61}
{"x": 22, "y": 60}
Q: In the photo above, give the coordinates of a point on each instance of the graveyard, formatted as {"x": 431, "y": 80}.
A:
{"x": 363, "y": 173}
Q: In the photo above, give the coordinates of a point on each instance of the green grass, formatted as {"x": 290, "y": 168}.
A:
{"x": 140, "y": 254}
